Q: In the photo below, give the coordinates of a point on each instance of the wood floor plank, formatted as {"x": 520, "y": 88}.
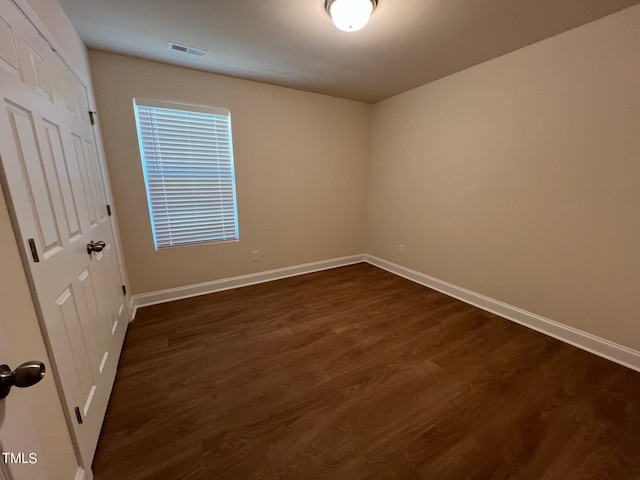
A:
{"x": 355, "y": 373}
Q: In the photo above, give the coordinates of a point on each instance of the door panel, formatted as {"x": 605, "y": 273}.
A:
{"x": 24, "y": 132}
{"x": 90, "y": 202}
{"x": 97, "y": 186}
{"x": 108, "y": 303}
{"x": 8, "y": 51}
{"x": 69, "y": 98}
{"x": 70, "y": 317}
{"x": 54, "y": 185}
{"x": 100, "y": 330}
{"x": 39, "y": 73}
{"x": 54, "y": 143}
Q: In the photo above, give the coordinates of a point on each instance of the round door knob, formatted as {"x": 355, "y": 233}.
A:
{"x": 95, "y": 246}
{"x": 27, "y": 374}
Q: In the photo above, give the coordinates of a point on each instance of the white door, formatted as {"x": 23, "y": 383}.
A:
{"x": 32, "y": 424}
{"x": 54, "y": 185}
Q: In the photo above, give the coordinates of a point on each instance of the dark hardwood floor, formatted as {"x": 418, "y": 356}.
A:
{"x": 355, "y": 373}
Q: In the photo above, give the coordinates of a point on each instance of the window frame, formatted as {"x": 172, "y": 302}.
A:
{"x": 184, "y": 107}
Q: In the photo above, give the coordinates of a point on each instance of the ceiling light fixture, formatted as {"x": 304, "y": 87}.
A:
{"x": 350, "y": 15}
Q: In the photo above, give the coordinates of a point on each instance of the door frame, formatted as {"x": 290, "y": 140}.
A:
{"x": 33, "y": 18}
{"x": 48, "y": 36}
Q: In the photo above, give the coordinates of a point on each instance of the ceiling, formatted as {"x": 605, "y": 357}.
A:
{"x": 293, "y": 43}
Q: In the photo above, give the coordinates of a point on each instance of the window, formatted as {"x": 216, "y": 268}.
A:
{"x": 187, "y": 158}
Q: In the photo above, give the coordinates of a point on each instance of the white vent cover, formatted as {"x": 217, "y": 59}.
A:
{"x": 176, "y": 47}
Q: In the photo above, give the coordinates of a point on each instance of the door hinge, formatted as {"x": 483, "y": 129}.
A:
{"x": 79, "y": 415}
{"x": 34, "y": 250}
{"x": 92, "y": 117}
{"x": 109, "y": 210}
{"x": 124, "y": 289}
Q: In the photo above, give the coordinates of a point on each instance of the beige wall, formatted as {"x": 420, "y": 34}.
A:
{"x": 300, "y": 161}
{"x": 520, "y": 178}
{"x": 517, "y": 178}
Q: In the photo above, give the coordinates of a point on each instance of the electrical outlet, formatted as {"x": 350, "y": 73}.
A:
{"x": 400, "y": 249}
{"x": 256, "y": 255}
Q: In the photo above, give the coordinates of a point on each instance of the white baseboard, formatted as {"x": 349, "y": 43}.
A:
{"x": 599, "y": 346}
{"x": 80, "y": 474}
{"x": 132, "y": 308}
{"x": 171, "y": 294}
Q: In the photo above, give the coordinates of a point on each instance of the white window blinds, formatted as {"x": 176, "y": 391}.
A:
{"x": 187, "y": 158}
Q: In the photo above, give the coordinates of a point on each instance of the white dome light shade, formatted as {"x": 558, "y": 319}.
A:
{"x": 350, "y": 15}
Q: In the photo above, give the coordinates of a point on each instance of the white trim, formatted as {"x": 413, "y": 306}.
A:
{"x": 599, "y": 346}
{"x": 147, "y": 102}
{"x": 80, "y": 474}
{"x": 133, "y": 309}
{"x": 171, "y": 294}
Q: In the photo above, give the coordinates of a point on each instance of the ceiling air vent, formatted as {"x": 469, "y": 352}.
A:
{"x": 176, "y": 47}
